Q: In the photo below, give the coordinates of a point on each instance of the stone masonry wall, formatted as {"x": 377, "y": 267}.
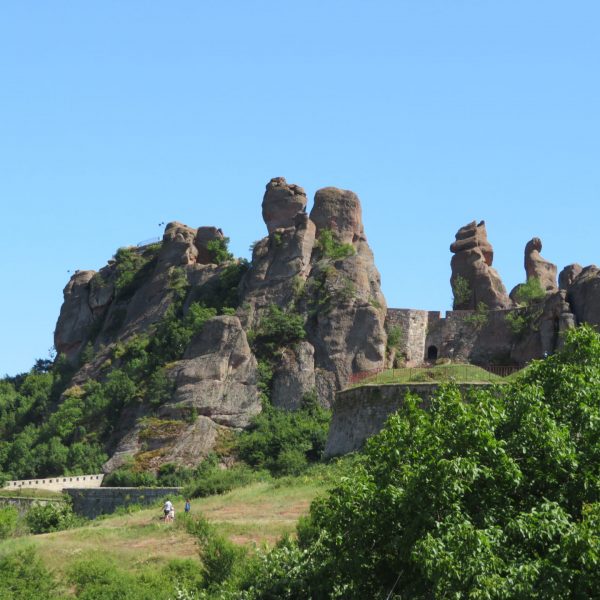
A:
{"x": 414, "y": 325}
{"x": 92, "y": 503}
{"x": 56, "y": 484}
{"x": 360, "y": 412}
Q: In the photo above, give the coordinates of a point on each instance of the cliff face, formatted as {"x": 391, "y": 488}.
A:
{"x": 185, "y": 339}
{"x": 317, "y": 269}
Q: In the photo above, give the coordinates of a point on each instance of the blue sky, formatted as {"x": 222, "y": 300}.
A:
{"x": 116, "y": 116}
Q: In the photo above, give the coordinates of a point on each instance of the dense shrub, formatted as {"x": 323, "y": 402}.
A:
{"x": 219, "y": 250}
{"x": 495, "y": 498}
{"x": 8, "y": 521}
{"x": 23, "y": 577}
{"x": 276, "y": 329}
{"x": 127, "y": 477}
{"x": 43, "y": 518}
{"x": 530, "y": 292}
{"x": 331, "y": 247}
{"x": 210, "y": 478}
{"x": 285, "y": 442}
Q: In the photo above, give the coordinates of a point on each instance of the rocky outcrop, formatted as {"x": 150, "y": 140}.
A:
{"x": 339, "y": 211}
{"x": 281, "y": 203}
{"x": 338, "y": 295}
{"x": 568, "y": 275}
{"x": 76, "y": 316}
{"x": 584, "y": 296}
{"x": 473, "y": 279}
{"x": 204, "y": 235}
{"x": 217, "y": 377}
{"x": 294, "y": 378}
{"x": 343, "y": 301}
{"x": 548, "y": 321}
{"x": 539, "y": 268}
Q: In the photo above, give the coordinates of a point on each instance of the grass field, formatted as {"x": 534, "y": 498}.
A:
{"x": 28, "y": 493}
{"x": 256, "y": 514}
{"x": 435, "y": 373}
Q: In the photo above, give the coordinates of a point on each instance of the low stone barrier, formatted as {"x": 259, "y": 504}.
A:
{"x": 56, "y": 484}
{"x": 23, "y": 503}
{"x": 92, "y": 503}
{"x": 360, "y": 412}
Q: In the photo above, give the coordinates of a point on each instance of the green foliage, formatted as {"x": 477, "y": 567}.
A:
{"x": 219, "y": 250}
{"x": 530, "y": 292}
{"x": 223, "y": 563}
{"x": 173, "y": 333}
{"x": 23, "y": 577}
{"x": 461, "y": 291}
{"x": 43, "y": 518}
{"x": 494, "y": 498}
{"x": 8, "y": 521}
{"x": 127, "y": 477}
{"x": 480, "y": 317}
{"x": 178, "y": 283}
{"x": 285, "y": 442}
{"x": 331, "y": 248}
{"x": 99, "y": 578}
{"x": 394, "y": 337}
{"x": 276, "y": 329}
{"x": 223, "y": 292}
{"x": 210, "y": 479}
{"x": 132, "y": 269}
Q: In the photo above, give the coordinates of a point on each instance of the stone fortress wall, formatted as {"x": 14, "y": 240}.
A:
{"x": 56, "y": 484}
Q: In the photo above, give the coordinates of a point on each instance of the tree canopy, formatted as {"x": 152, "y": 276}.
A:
{"x": 488, "y": 497}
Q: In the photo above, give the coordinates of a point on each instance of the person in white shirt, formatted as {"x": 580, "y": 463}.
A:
{"x": 167, "y": 508}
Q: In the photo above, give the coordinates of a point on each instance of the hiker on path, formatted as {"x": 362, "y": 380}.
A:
{"x": 167, "y": 508}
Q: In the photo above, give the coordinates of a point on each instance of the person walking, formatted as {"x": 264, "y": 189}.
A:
{"x": 188, "y": 506}
{"x": 167, "y": 509}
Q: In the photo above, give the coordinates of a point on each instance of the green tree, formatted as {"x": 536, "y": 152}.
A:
{"x": 494, "y": 498}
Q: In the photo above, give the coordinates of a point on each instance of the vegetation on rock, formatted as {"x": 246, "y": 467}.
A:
{"x": 331, "y": 247}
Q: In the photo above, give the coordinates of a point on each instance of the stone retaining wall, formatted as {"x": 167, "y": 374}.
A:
{"x": 56, "y": 484}
{"x": 92, "y": 503}
{"x": 24, "y": 504}
{"x": 360, "y": 412}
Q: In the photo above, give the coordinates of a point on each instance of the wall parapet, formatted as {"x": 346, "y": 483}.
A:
{"x": 56, "y": 484}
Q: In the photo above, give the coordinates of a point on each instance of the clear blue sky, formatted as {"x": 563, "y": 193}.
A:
{"x": 115, "y": 116}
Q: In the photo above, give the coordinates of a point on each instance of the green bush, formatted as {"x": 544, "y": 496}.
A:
{"x": 23, "y": 577}
{"x": 331, "y": 248}
{"x": 127, "y": 477}
{"x": 99, "y": 578}
{"x": 211, "y": 479}
{"x": 219, "y": 250}
{"x": 285, "y": 442}
{"x": 8, "y": 521}
{"x": 223, "y": 563}
{"x": 461, "y": 292}
{"x": 172, "y": 475}
{"x": 530, "y": 292}
{"x": 276, "y": 330}
{"x": 497, "y": 498}
{"x": 132, "y": 269}
{"x": 43, "y": 518}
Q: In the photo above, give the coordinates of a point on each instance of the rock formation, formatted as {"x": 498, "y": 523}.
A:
{"x": 281, "y": 203}
{"x": 319, "y": 271}
{"x": 568, "y": 275}
{"x": 473, "y": 279}
{"x": 339, "y": 297}
{"x": 537, "y": 267}
{"x": 76, "y": 316}
{"x": 584, "y": 296}
{"x": 217, "y": 376}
